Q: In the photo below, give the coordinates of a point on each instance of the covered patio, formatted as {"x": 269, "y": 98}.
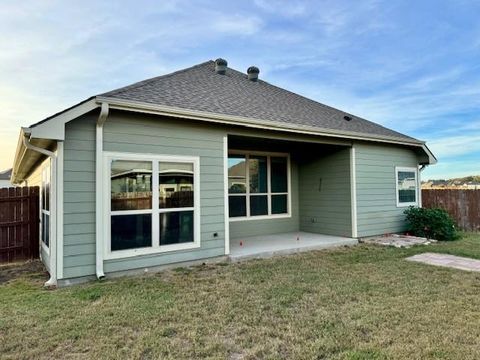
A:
{"x": 283, "y": 244}
{"x": 287, "y": 196}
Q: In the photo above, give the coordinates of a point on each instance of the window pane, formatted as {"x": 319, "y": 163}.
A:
{"x": 175, "y": 185}
{"x": 131, "y": 231}
{"x": 279, "y": 204}
{"x": 176, "y": 227}
{"x": 237, "y": 175}
{"x": 406, "y": 186}
{"x": 258, "y": 205}
{"x": 47, "y": 193}
{"x": 279, "y": 174}
{"x": 131, "y": 185}
{"x": 237, "y": 206}
{"x": 46, "y": 229}
{"x": 258, "y": 174}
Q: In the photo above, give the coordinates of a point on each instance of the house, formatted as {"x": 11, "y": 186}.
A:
{"x": 204, "y": 163}
{"x": 5, "y": 178}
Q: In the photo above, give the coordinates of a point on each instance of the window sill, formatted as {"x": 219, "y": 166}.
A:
{"x": 122, "y": 254}
{"x": 261, "y": 217}
{"x": 402, "y": 205}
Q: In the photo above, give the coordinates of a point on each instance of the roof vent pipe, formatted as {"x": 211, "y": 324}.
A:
{"x": 221, "y": 66}
{"x": 253, "y": 72}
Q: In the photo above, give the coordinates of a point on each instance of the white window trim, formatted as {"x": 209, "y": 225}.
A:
{"x": 268, "y": 193}
{"x": 409, "y": 169}
{"x": 46, "y": 172}
{"x": 156, "y": 248}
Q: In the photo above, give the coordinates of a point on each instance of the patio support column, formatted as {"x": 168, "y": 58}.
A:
{"x": 353, "y": 191}
{"x": 225, "y": 190}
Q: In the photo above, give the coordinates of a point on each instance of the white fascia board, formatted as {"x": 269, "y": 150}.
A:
{"x": 128, "y": 105}
{"x": 432, "y": 160}
{"x": 54, "y": 128}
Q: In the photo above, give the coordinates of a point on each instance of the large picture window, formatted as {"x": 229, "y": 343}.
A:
{"x": 153, "y": 204}
{"x": 407, "y": 186}
{"x": 45, "y": 207}
{"x": 258, "y": 185}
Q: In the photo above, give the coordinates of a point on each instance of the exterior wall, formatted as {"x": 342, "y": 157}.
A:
{"x": 326, "y": 209}
{"x": 245, "y": 228}
{"x": 377, "y": 211}
{"x": 132, "y": 133}
{"x": 79, "y": 197}
{"x": 35, "y": 179}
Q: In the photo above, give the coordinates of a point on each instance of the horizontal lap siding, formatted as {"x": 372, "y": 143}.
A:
{"x": 326, "y": 209}
{"x": 246, "y": 228}
{"x": 79, "y": 198}
{"x": 126, "y": 132}
{"x": 377, "y": 211}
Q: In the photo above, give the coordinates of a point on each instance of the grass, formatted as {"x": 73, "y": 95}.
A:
{"x": 355, "y": 303}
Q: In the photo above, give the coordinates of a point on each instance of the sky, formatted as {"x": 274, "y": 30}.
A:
{"x": 413, "y": 66}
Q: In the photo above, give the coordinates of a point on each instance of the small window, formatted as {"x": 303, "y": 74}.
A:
{"x": 407, "y": 186}
{"x": 45, "y": 207}
{"x": 257, "y": 185}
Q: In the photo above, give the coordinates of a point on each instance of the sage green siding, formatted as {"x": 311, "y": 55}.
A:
{"x": 126, "y": 132}
{"x": 79, "y": 197}
{"x": 377, "y": 211}
{"x": 245, "y": 228}
{"x": 325, "y": 195}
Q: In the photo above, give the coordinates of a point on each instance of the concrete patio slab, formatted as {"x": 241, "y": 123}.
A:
{"x": 445, "y": 260}
{"x": 282, "y": 244}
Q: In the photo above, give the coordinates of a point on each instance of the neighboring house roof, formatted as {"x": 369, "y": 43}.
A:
{"x": 5, "y": 174}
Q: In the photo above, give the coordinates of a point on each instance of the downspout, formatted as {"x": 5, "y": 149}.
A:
{"x": 52, "y": 281}
{"x": 99, "y": 213}
{"x": 419, "y": 184}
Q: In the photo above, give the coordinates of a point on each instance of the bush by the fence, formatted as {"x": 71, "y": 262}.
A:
{"x": 431, "y": 223}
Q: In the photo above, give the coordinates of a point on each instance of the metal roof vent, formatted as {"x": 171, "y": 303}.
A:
{"x": 253, "y": 72}
{"x": 348, "y": 118}
{"x": 221, "y": 66}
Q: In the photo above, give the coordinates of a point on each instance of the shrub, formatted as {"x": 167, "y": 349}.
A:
{"x": 431, "y": 223}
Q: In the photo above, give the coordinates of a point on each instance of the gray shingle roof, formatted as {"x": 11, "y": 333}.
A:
{"x": 200, "y": 88}
{"x": 5, "y": 174}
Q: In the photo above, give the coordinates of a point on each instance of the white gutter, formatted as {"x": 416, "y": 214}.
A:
{"x": 53, "y": 204}
{"x": 99, "y": 213}
{"x": 137, "y": 106}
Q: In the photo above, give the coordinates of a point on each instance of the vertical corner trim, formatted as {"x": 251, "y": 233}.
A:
{"x": 59, "y": 210}
{"x": 353, "y": 191}
{"x": 225, "y": 190}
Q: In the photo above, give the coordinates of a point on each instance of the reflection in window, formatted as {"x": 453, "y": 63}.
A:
{"x": 175, "y": 185}
{"x": 407, "y": 187}
{"x": 131, "y": 185}
{"x": 176, "y": 227}
{"x": 258, "y": 174}
{"x": 250, "y": 191}
{"x": 237, "y": 174}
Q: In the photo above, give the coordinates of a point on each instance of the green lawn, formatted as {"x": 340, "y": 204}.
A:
{"x": 355, "y": 303}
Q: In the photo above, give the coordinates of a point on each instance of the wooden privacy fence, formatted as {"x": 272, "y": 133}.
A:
{"x": 19, "y": 223}
{"x": 463, "y": 205}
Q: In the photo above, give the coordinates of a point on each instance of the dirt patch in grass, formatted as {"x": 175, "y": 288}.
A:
{"x": 33, "y": 270}
{"x": 364, "y": 302}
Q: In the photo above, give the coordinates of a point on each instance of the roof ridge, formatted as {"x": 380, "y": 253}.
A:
{"x": 147, "y": 81}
